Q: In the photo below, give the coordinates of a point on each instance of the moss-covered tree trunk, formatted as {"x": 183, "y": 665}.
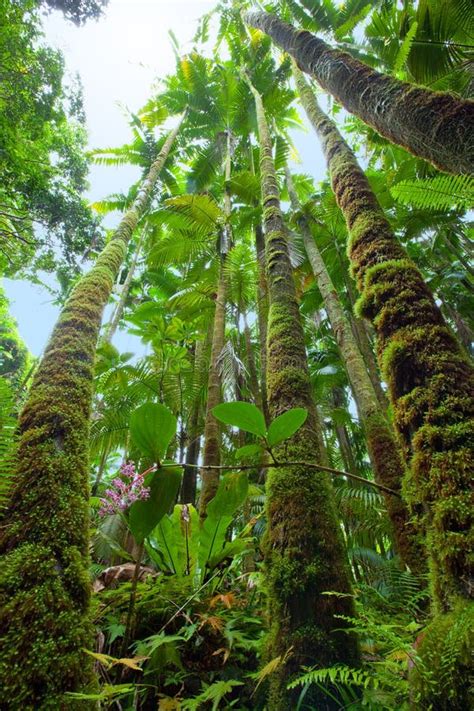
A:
{"x": 384, "y": 452}
{"x": 44, "y": 578}
{"x": 194, "y": 427}
{"x": 305, "y": 553}
{"x": 211, "y": 453}
{"x": 363, "y": 333}
{"x": 117, "y": 314}
{"x": 431, "y": 388}
{"x": 433, "y": 125}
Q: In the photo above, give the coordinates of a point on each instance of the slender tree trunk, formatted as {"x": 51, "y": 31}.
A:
{"x": 211, "y": 454}
{"x": 262, "y": 315}
{"x": 461, "y": 327}
{"x": 387, "y": 463}
{"x": 305, "y": 553}
{"x": 342, "y": 435}
{"x": 45, "y": 586}
{"x": 252, "y": 368}
{"x": 188, "y": 486}
{"x": 430, "y": 386}
{"x": 117, "y": 315}
{"x": 433, "y": 125}
{"x": 363, "y": 333}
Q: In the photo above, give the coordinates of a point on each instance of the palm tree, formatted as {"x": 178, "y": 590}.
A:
{"x": 44, "y": 619}
{"x": 436, "y": 126}
{"x": 118, "y": 311}
{"x": 383, "y": 449}
{"x": 211, "y": 452}
{"x": 429, "y": 376}
{"x": 304, "y": 550}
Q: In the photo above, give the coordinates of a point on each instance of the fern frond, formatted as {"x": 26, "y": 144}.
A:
{"x": 405, "y": 48}
{"x": 442, "y": 192}
{"x": 337, "y": 674}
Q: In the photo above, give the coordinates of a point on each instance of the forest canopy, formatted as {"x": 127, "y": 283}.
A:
{"x": 266, "y": 504}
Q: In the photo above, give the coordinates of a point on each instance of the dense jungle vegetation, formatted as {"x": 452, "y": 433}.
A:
{"x": 267, "y": 505}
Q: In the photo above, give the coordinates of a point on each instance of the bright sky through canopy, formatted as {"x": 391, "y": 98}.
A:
{"x": 118, "y": 59}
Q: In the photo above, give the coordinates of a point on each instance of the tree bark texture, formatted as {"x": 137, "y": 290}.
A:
{"x": 433, "y": 125}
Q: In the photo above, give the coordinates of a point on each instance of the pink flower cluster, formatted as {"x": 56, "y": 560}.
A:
{"x": 125, "y": 490}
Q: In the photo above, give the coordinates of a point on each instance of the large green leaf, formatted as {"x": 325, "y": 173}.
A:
{"x": 145, "y": 515}
{"x": 284, "y": 426}
{"x": 231, "y": 494}
{"x": 243, "y": 415}
{"x": 152, "y": 427}
{"x": 212, "y": 540}
{"x": 177, "y": 537}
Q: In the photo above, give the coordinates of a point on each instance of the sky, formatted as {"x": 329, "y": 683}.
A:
{"x": 118, "y": 58}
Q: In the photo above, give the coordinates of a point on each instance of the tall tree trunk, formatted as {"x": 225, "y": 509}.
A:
{"x": 117, "y": 315}
{"x": 211, "y": 454}
{"x": 262, "y": 314}
{"x": 462, "y": 328}
{"x": 188, "y": 486}
{"x": 433, "y": 125}
{"x": 363, "y": 333}
{"x": 387, "y": 463}
{"x": 342, "y": 434}
{"x": 251, "y": 365}
{"x": 45, "y": 586}
{"x": 430, "y": 383}
{"x": 305, "y": 553}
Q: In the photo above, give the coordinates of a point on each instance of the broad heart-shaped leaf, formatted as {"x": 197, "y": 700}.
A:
{"x": 152, "y": 427}
{"x": 145, "y": 515}
{"x": 284, "y": 426}
{"x": 243, "y": 415}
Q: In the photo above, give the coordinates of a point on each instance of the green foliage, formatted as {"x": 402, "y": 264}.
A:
{"x": 152, "y": 427}
{"x": 7, "y": 440}
{"x": 286, "y": 425}
{"x": 249, "y": 418}
{"x": 78, "y": 11}
{"x": 243, "y": 415}
{"x": 185, "y": 548}
{"x": 42, "y": 140}
{"x": 439, "y": 193}
{"x": 145, "y": 515}
{"x": 214, "y": 693}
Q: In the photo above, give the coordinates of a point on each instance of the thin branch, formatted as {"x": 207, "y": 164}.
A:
{"x": 274, "y": 465}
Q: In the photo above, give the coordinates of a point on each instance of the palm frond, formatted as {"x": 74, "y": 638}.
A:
{"x": 440, "y": 192}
